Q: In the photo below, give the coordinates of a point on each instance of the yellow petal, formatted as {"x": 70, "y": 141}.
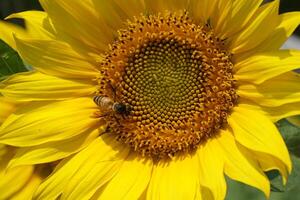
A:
{"x": 28, "y": 190}
{"x": 288, "y": 22}
{"x": 83, "y": 29}
{"x": 274, "y": 113}
{"x": 131, "y": 180}
{"x": 237, "y": 17}
{"x": 55, "y": 58}
{"x": 201, "y": 10}
{"x": 6, "y": 108}
{"x": 85, "y": 172}
{"x": 283, "y": 89}
{"x": 157, "y": 6}
{"x": 8, "y": 31}
{"x": 261, "y": 67}
{"x": 284, "y": 111}
{"x": 98, "y": 193}
{"x": 42, "y": 122}
{"x": 115, "y": 12}
{"x": 222, "y": 10}
{"x": 238, "y": 166}
{"x": 268, "y": 162}
{"x": 176, "y": 179}
{"x": 91, "y": 177}
{"x": 37, "y": 24}
{"x": 6, "y": 153}
{"x": 261, "y": 25}
{"x": 211, "y": 167}
{"x": 257, "y": 132}
{"x": 13, "y": 180}
{"x": 52, "y": 151}
{"x": 3, "y": 152}
{"x": 35, "y": 86}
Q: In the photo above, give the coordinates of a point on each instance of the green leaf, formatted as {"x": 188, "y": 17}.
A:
{"x": 276, "y": 181}
{"x": 10, "y": 61}
{"x": 293, "y": 144}
{"x": 291, "y": 135}
{"x": 294, "y": 178}
{"x": 238, "y": 190}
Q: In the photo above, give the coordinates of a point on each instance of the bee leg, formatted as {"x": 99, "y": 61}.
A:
{"x": 98, "y": 114}
{"x": 105, "y": 114}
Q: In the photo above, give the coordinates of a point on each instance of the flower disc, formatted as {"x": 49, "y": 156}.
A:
{"x": 177, "y": 79}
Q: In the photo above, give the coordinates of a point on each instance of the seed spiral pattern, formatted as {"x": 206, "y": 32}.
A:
{"x": 177, "y": 78}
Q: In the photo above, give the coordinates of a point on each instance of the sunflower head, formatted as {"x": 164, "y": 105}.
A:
{"x": 177, "y": 78}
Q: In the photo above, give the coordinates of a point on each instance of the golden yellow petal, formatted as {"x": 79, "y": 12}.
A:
{"x": 36, "y": 86}
{"x": 115, "y": 12}
{"x": 284, "y": 111}
{"x": 255, "y": 131}
{"x": 258, "y": 29}
{"x": 28, "y": 190}
{"x": 3, "y": 152}
{"x": 237, "y": 17}
{"x": 268, "y": 162}
{"x": 6, "y": 108}
{"x": 177, "y": 179}
{"x": 283, "y": 89}
{"x": 55, "y": 58}
{"x": 201, "y": 10}
{"x": 79, "y": 23}
{"x": 274, "y": 113}
{"x": 222, "y": 9}
{"x": 211, "y": 166}
{"x": 263, "y": 66}
{"x": 86, "y": 171}
{"x": 37, "y": 24}
{"x": 98, "y": 193}
{"x": 287, "y": 23}
{"x": 157, "y": 6}
{"x": 41, "y": 122}
{"x": 240, "y": 167}
{"x": 8, "y": 31}
{"x": 131, "y": 180}
{"x": 52, "y": 151}
{"x": 13, "y": 180}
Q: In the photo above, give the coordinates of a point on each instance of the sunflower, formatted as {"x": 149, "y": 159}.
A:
{"x": 20, "y": 182}
{"x": 150, "y": 99}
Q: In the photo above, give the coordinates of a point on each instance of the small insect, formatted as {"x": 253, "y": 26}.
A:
{"x": 110, "y": 105}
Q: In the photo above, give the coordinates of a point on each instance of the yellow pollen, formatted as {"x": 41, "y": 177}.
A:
{"x": 177, "y": 79}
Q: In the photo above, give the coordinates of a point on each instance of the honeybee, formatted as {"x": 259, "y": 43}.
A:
{"x": 110, "y": 105}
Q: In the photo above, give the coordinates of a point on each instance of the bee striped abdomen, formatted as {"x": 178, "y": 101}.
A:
{"x": 108, "y": 104}
{"x": 102, "y": 101}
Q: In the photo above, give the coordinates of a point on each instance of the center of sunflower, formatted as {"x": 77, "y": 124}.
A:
{"x": 177, "y": 80}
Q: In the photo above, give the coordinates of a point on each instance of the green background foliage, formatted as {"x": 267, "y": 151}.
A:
{"x": 11, "y": 63}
